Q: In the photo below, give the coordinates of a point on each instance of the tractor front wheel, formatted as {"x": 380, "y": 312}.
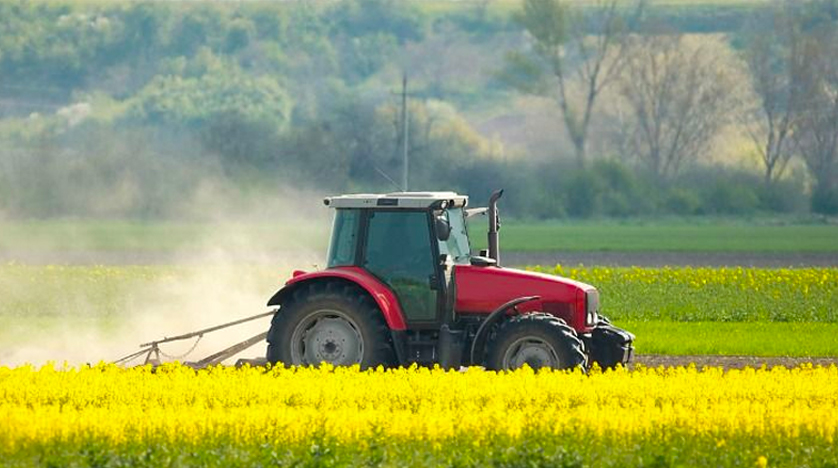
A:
{"x": 537, "y": 340}
{"x": 333, "y": 323}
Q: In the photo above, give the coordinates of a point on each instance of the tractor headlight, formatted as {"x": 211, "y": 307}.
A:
{"x": 591, "y": 307}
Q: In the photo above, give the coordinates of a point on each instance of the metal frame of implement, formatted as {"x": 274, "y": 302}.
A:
{"x": 152, "y": 352}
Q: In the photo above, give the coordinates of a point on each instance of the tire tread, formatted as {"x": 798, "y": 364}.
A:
{"x": 568, "y": 344}
{"x": 360, "y": 305}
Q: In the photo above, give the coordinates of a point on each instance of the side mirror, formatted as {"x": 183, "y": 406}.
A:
{"x": 443, "y": 229}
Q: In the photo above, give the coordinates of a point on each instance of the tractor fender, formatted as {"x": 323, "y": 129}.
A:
{"x": 383, "y": 296}
{"x": 478, "y": 344}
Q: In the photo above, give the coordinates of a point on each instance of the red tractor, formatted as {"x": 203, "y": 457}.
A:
{"x": 402, "y": 286}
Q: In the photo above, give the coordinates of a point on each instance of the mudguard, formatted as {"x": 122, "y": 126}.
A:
{"x": 380, "y": 292}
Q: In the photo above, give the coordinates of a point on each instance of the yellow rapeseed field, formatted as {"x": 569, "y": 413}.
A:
{"x": 107, "y": 416}
{"x": 70, "y": 407}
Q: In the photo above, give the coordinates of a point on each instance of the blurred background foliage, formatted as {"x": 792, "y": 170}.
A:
{"x": 125, "y": 109}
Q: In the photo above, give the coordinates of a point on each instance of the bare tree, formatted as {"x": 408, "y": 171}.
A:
{"x": 572, "y": 58}
{"x": 678, "y": 97}
{"x": 774, "y": 65}
{"x": 815, "y": 134}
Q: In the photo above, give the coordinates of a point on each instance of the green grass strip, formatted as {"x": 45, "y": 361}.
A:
{"x": 687, "y": 294}
{"x": 63, "y": 236}
{"x": 735, "y": 339}
{"x": 676, "y": 449}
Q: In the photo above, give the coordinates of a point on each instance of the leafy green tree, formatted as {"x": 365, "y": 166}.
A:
{"x": 236, "y": 116}
{"x": 361, "y": 57}
{"x": 239, "y": 34}
{"x": 192, "y": 102}
{"x": 356, "y": 18}
{"x": 52, "y": 49}
{"x": 143, "y": 27}
{"x": 196, "y": 27}
{"x": 270, "y": 22}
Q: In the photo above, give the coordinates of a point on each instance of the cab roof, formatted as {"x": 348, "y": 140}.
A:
{"x": 395, "y": 200}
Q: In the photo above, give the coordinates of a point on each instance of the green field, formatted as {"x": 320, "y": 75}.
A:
{"x": 113, "y": 236}
{"x": 688, "y": 294}
{"x": 802, "y": 339}
{"x": 632, "y": 235}
{"x": 530, "y": 449}
{"x": 735, "y": 311}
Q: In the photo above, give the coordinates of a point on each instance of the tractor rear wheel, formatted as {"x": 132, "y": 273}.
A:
{"x": 536, "y": 339}
{"x": 333, "y": 323}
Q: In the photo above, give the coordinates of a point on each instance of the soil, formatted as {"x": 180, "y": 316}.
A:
{"x": 659, "y": 259}
{"x": 728, "y": 362}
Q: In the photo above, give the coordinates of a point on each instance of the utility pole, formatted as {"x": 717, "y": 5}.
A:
{"x": 405, "y": 135}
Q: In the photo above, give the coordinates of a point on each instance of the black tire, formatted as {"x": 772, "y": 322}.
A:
{"x": 353, "y": 315}
{"x": 537, "y": 339}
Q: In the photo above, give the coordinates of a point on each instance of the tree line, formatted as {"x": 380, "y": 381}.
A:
{"x": 145, "y": 102}
{"x": 679, "y": 96}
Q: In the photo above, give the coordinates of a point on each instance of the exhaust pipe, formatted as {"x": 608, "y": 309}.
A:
{"x": 494, "y": 225}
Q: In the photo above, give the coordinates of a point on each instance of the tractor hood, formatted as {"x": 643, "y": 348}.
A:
{"x": 482, "y": 289}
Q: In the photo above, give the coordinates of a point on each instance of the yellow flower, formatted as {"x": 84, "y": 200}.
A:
{"x": 349, "y": 406}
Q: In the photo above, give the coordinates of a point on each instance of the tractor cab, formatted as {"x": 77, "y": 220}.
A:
{"x": 408, "y": 241}
{"x": 402, "y": 286}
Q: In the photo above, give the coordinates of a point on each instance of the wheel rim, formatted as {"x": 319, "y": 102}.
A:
{"x": 532, "y": 351}
{"x": 327, "y": 336}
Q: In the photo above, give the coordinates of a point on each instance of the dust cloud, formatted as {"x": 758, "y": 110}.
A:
{"x": 247, "y": 247}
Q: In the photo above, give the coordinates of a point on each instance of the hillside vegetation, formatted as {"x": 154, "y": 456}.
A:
{"x": 135, "y": 109}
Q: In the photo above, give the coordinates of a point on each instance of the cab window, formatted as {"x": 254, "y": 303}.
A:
{"x": 399, "y": 253}
{"x": 457, "y": 245}
{"x": 344, "y": 236}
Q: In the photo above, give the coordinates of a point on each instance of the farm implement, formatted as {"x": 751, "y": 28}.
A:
{"x": 402, "y": 286}
{"x": 152, "y": 354}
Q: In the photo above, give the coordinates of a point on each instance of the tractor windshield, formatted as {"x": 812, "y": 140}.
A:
{"x": 457, "y": 245}
{"x": 344, "y": 233}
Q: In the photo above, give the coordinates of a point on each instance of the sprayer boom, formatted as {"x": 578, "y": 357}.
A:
{"x": 152, "y": 351}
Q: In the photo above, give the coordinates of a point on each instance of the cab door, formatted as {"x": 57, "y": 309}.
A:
{"x": 400, "y": 252}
